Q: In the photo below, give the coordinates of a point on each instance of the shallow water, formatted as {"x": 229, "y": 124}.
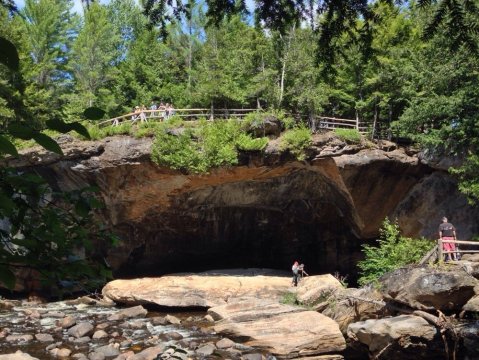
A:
{"x": 142, "y": 333}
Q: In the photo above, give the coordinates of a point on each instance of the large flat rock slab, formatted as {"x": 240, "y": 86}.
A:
{"x": 202, "y": 290}
{"x": 283, "y": 330}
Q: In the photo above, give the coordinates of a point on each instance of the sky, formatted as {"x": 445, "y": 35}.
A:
{"x": 78, "y": 8}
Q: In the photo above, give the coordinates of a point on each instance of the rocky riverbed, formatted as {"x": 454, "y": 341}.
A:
{"x": 416, "y": 312}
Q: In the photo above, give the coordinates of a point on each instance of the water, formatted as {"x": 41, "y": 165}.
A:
{"x": 133, "y": 334}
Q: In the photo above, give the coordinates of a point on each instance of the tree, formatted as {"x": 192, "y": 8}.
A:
{"x": 93, "y": 55}
{"x": 49, "y": 28}
{"x": 40, "y": 229}
{"x": 392, "y": 252}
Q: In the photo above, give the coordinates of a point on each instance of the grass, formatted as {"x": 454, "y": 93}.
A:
{"x": 351, "y": 136}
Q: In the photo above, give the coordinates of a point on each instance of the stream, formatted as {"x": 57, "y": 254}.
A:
{"x": 36, "y": 329}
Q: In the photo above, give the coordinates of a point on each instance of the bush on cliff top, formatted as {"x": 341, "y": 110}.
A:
{"x": 393, "y": 251}
{"x": 210, "y": 145}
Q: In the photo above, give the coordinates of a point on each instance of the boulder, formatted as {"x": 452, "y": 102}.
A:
{"x": 401, "y": 337}
{"x": 316, "y": 289}
{"x": 80, "y": 330}
{"x": 203, "y": 290}
{"x": 128, "y": 313}
{"x": 268, "y": 126}
{"x": 19, "y": 355}
{"x": 425, "y": 288}
{"x": 472, "y": 305}
{"x": 281, "y": 330}
{"x": 352, "y": 305}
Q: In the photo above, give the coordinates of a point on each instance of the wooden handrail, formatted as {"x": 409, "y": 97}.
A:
{"x": 441, "y": 251}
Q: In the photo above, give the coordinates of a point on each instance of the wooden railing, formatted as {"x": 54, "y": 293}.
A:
{"x": 322, "y": 122}
{"x": 441, "y": 252}
{"x": 438, "y": 252}
{"x": 187, "y": 114}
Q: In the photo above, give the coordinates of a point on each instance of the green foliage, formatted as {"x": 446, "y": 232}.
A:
{"x": 351, "y": 136}
{"x": 392, "y": 252}
{"x": 41, "y": 228}
{"x": 247, "y": 143}
{"x": 297, "y": 140}
{"x": 209, "y": 145}
{"x": 289, "y": 298}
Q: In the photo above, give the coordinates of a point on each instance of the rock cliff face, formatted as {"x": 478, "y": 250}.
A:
{"x": 266, "y": 212}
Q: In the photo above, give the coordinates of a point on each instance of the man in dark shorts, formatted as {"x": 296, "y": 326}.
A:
{"x": 447, "y": 231}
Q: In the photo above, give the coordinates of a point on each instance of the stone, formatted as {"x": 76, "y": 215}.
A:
{"x": 282, "y": 330}
{"x": 44, "y": 337}
{"x": 96, "y": 356}
{"x": 225, "y": 343}
{"x": 196, "y": 290}
{"x": 81, "y": 340}
{"x": 108, "y": 350}
{"x": 172, "y": 319}
{"x": 173, "y": 335}
{"x": 346, "y": 306}
{"x": 67, "y": 322}
{"x": 127, "y": 355}
{"x": 315, "y": 289}
{"x": 150, "y": 353}
{"x": 206, "y": 350}
{"x": 407, "y": 336}
{"x": 60, "y": 353}
{"x": 19, "y": 338}
{"x": 80, "y": 330}
{"x": 209, "y": 318}
{"x": 254, "y": 356}
{"x": 426, "y": 288}
{"x": 99, "y": 334}
{"x": 159, "y": 320}
{"x": 19, "y": 355}
{"x": 472, "y": 304}
{"x": 131, "y": 312}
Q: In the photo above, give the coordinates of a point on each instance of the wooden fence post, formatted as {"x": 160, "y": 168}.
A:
{"x": 439, "y": 251}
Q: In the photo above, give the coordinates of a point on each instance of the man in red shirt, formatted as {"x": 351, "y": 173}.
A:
{"x": 447, "y": 231}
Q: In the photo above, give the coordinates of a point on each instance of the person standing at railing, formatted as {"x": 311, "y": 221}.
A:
{"x": 153, "y": 107}
{"x": 447, "y": 231}
{"x": 142, "y": 114}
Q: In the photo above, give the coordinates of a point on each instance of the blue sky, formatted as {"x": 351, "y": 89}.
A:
{"x": 77, "y": 7}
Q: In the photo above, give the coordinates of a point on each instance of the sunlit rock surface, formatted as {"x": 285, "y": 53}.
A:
{"x": 199, "y": 290}
{"x": 283, "y": 330}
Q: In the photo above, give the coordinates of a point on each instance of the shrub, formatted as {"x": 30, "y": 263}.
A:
{"x": 296, "y": 141}
{"x": 198, "y": 150}
{"x": 247, "y": 143}
{"x": 351, "y": 136}
{"x": 392, "y": 252}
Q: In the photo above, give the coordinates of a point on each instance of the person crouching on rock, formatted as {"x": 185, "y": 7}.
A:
{"x": 295, "y": 269}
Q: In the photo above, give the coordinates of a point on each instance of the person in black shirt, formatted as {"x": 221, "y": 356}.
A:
{"x": 447, "y": 231}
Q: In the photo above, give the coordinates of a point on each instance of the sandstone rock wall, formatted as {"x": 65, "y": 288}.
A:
{"x": 266, "y": 212}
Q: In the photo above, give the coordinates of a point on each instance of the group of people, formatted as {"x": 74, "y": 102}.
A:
{"x": 164, "y": 111}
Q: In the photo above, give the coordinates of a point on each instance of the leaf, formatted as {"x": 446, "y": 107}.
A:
{"x": 82, "y": 208}
{"x": 9, "y": 54}
{"x": 93, "y": 113}
{"x": 80, "y": 129}
{"x": 21, "y": 131}
{"x": 48, "y": 143}
{"x": 63, "y": 127}
{"x": 7, "y": 204}
{"x": 7, "y": 147}
{"x": 7, "y": 277}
